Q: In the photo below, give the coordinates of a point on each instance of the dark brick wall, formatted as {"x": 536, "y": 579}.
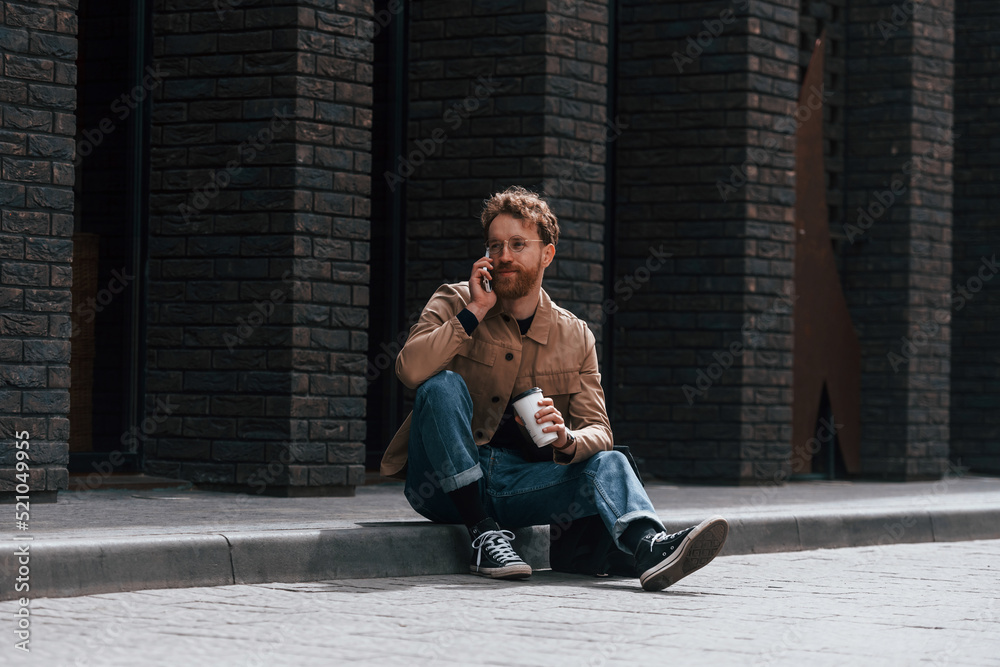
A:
{"x": 259, "y": 244}
{"x": 899, "y": 117}
{"x": 578, "y": 137}
{"x": 705, "y": 172}
{"x": 259, "y": 256}
{"x": 502, "y": 93}
{"x": 37, "y": 126}
{"x": 975, "y": 325}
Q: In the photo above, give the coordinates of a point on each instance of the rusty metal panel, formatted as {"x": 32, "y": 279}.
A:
{"x": 826, "y": 349}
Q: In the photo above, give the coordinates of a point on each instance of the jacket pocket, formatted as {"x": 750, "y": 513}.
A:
{"x": 479, "y": 351}
{"x": 556, "y": 384}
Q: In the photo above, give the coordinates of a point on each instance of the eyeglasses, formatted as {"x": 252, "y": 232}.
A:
{"x": 515, "y": 243}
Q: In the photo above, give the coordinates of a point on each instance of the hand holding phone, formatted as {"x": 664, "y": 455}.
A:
{"x": 482, "y": 295}
{"x": 486, "y": 283}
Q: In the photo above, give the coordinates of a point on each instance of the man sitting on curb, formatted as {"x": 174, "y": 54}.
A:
{"x": 464, "y": 455}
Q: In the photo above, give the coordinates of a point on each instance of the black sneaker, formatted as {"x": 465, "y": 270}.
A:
{"x": 492, "y": 555}
{"x": 662, "y": 560}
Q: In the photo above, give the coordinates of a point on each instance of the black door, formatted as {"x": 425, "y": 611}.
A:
{"x": 114, "y": 91}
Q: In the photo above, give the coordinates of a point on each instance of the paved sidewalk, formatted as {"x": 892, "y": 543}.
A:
{"x": 126, "y": 513}
{"x": 109, "y": 541}
{"x": 918, "y": 604}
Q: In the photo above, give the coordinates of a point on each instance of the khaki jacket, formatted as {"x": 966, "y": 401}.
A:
{"x": 558, "y": 354}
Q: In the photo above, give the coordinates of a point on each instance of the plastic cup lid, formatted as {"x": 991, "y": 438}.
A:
{"x": 533, "y": 390}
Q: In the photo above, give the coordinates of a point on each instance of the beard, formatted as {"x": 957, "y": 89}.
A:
{"x": 517, "y": 286}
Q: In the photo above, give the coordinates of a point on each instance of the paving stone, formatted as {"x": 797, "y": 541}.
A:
{"x": 865, "y": 606}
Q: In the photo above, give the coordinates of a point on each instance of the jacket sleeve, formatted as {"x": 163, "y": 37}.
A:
{"x": 588, "y": 416}
{"x": 434, "y": 339}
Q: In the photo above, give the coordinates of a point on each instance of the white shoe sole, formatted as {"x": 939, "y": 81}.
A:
{"x": 520, "y": 571}
{"x": 695, "y": 552}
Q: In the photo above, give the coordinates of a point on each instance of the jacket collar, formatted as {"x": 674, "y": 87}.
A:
{"x": 539, "y": 331}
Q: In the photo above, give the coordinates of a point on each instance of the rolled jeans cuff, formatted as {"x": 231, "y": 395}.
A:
{"x": 621, "y": 524}
{"x": 464, "y": 478}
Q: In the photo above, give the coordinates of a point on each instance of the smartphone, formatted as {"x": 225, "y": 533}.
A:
{"x": 486, "y": 283}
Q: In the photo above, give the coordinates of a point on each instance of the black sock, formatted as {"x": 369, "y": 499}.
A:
{"x": 469, "y": 504}
{"x": 637, "y": 530}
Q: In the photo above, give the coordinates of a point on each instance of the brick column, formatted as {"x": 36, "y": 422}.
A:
{"x": 37, "y": 99}
{"x": 705, "y": 172}
{"x": 259, "y": 245}
{"x": 975, "y": 392}
{"x": 505, "y": 93}
{"x": 899, "y": 163}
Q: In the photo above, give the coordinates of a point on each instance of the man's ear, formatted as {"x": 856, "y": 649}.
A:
{"x": 548, "y": 254}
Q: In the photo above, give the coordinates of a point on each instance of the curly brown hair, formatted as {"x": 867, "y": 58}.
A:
{"x": 525, "y": 205}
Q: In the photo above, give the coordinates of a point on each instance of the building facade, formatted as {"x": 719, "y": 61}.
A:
{"x": 219, "y": 220}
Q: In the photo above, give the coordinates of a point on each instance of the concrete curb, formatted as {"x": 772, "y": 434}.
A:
{"x": 391, "y": 550}
{"x": 67, "y": 568}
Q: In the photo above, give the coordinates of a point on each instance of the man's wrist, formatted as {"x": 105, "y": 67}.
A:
{"x": 477, "y": 310}
{"x": 570, "y": 441}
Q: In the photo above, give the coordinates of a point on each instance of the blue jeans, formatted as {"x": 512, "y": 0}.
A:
{"x": 442, "y": 457}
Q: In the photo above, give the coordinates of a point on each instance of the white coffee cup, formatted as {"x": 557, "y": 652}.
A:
{"x": 526, "y": 405}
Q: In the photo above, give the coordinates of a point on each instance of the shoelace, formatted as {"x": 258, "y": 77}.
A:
{"x": 662, "y": 537}
{"x": 498, "y": 544}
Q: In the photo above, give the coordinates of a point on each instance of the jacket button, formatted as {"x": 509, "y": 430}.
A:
{"x": 509, "y": 356}
{"x": 495, "y": 399}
